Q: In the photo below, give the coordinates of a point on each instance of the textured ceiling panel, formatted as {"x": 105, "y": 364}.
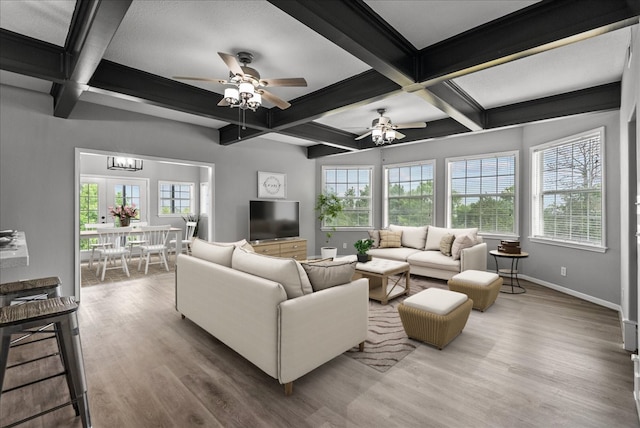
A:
{"x": 43, "y": 20}
{"x": 580, "y": 65}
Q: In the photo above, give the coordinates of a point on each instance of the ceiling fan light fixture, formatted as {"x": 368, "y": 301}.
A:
{"x": 389, "y": 135}
{"x": 255, "y": 101}
{"x": 231, "y": 96}
{"x": 246, "y": 90}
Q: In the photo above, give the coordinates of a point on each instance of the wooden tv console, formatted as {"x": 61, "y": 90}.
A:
{"x": 289, "y": 248}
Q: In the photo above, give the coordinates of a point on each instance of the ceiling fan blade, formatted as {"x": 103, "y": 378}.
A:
{"x": 200, "y": 79}
{"x": 232, "y": 63}
{"x": 410, "y": 125}
{"x": 360, "y": 137}
{"x": 279, "y": 102}
{"x": 291, "y": 81}
{"x": 223, "y": 103}
{"x": 399, "y": 135}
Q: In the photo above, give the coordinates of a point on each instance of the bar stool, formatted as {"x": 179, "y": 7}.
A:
{"x": 29, "y": 289}
{"x": 61, "y": 312}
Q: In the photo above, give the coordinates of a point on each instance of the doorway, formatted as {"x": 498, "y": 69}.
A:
{"x": 98, "y": 189}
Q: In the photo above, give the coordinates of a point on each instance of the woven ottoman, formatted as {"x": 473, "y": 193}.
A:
{"x": 481, "y": 287}
{"x": 435, "y": 316}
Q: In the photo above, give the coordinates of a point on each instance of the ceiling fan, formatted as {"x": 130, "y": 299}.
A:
{"x": 383, "y": 131}
{"x": 247, "y": 87}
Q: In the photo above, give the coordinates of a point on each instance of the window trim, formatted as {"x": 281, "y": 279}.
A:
{"x": 371, "y": 169}
{"x": 516, "y": 191}
{"x": 536, "y": 185}
{"x": 172, "y": 183}
{"x": 385, "y": 190}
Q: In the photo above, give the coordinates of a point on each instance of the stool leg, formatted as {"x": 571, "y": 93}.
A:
{"x": 5, "y": 337}
{"x": 64, "y": 358}
{"x": 70, "y": 336}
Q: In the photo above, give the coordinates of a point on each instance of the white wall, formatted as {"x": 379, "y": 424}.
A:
{"x": 37, "y": 155}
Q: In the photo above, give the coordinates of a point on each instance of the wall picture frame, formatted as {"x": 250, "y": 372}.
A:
{"x": 272, "y": 185}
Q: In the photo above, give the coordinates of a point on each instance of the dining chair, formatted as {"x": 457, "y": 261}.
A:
{"x": 186, "y": 242}
{"x": 95, "y": 244}
{"x": 155, "y": 238}
{"x": 135, "y": 240}
{"x": 116, "y": 238}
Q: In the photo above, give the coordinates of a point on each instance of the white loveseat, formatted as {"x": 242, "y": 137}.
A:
{"x": 280, "y": 324}
{"x": 425, "y": 249}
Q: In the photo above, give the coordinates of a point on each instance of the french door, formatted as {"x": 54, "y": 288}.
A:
{"x": 97, "y": 194}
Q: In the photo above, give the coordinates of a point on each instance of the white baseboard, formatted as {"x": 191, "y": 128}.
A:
{"x": 574, "y": 293}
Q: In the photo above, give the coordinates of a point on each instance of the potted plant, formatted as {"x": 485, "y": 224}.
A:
{"x": 123, "y": 214}
{"x": 328, "y": 207}
{"x": 362, "y": 246}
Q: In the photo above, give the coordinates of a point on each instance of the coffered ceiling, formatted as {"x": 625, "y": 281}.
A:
{"x": 460, "y": 66}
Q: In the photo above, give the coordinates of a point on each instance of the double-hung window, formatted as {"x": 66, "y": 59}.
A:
{"x": 409, "y": 194}
{"x": 482, "y": 193}
{"x": 352, "y": 185}
{"x": 175, "y": 198}
{"x": 568, "y": 199}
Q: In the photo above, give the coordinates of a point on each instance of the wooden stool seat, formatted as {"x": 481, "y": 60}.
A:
{"x": 9, "y": 291}
{"x": 61, "y": 312}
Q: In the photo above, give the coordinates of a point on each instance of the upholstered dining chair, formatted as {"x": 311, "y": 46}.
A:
{"x": 115, "y": 240}
{"x": 155, "y": 242}
{"x": 186, "y": 242}
{"x": 95, "y": 244}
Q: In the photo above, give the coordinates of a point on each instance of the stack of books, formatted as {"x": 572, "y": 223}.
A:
{"x": 511, "y": 247}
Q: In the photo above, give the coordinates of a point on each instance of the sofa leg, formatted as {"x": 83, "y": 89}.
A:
{"x": 361, "y": 347}
{"x": 288, "y": 388}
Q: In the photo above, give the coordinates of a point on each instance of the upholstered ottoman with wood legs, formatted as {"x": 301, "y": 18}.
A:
{"x": 481, "y": 287}
{"x": 435, "y": 316}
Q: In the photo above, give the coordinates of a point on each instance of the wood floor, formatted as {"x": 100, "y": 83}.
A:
{"x": 540, "y": 359}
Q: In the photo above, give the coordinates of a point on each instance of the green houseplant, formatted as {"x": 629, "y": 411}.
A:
{"x": 362, "y": 246}
{"x": 328, "y": 206}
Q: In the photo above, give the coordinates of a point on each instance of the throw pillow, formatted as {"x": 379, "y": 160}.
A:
{"x": 390, "y": 239}
{"x": 445, "y": 244}
{"x": 461, "y": 242}
{"x": 212, "y": 252}
{"x": 375, "y": 235}
{"x": 434, "y": 236}
{"x": 286, "y": 272}
{"x": 328, "y": 274}
{"x": 412, "y": 236}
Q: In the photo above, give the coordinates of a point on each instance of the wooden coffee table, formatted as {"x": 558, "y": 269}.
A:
{"x": 378, "y": 272}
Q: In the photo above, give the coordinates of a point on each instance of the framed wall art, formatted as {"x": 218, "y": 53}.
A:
{"x": 272, "y": 185}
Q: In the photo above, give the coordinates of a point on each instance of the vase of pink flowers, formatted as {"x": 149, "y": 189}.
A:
{"x": 123, "y": 214}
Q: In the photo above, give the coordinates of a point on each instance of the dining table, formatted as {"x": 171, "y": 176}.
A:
{"x": 176, "y": 231}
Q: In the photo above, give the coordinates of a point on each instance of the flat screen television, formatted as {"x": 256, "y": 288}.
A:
{"x": 273, "y": 220}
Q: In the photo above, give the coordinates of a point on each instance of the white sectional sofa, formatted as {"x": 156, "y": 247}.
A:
{"x": 269, "y": 310}
{"x": 431, "y": 251}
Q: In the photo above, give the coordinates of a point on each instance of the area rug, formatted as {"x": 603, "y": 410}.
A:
{"x": 387, "y": 342}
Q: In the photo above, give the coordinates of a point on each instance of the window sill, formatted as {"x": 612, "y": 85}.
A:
{"x": 499, "y": 236}
{"x": 567, "y": 244}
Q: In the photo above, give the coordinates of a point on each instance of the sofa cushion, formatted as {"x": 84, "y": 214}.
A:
{"x": 399, "y": 254}
{"x": 445, "y": 244}
{"x": 412, "y": 237}
{"x": 212, "y": 252}
{"x": 390, "y": 239}
{"x": 328, "y": 274}
{"x": 375, "y": 235}
{"x": 287, "y": 272}
{"x": 436, "y": 300}
{"x": 435, "y": 234}
{"x": 461, "y": 242}
{"x": 434, "y": 260}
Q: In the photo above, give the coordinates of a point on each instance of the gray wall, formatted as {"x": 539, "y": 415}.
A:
{"x": 593, "y": 274}
{"x": 37, "y": 156}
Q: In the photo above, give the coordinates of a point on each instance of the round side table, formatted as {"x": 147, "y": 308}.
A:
{"x": 516, "y": 288}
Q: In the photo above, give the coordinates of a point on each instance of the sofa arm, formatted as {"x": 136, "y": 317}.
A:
{"x": 317, "y": 327}
{"x": 474, "y": 258}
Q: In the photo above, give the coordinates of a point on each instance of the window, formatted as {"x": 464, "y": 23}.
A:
{"x": 352, "y": 185}
{"x": 567, "y": 181}
{"x": 409, "y": 198}
{"x": 175, "y": 198}
{"x": 482, "y": 193}
{"x": 127, "y": 194}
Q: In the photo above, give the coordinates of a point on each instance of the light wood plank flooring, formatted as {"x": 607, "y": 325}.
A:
{"x": 541, "y": 359}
